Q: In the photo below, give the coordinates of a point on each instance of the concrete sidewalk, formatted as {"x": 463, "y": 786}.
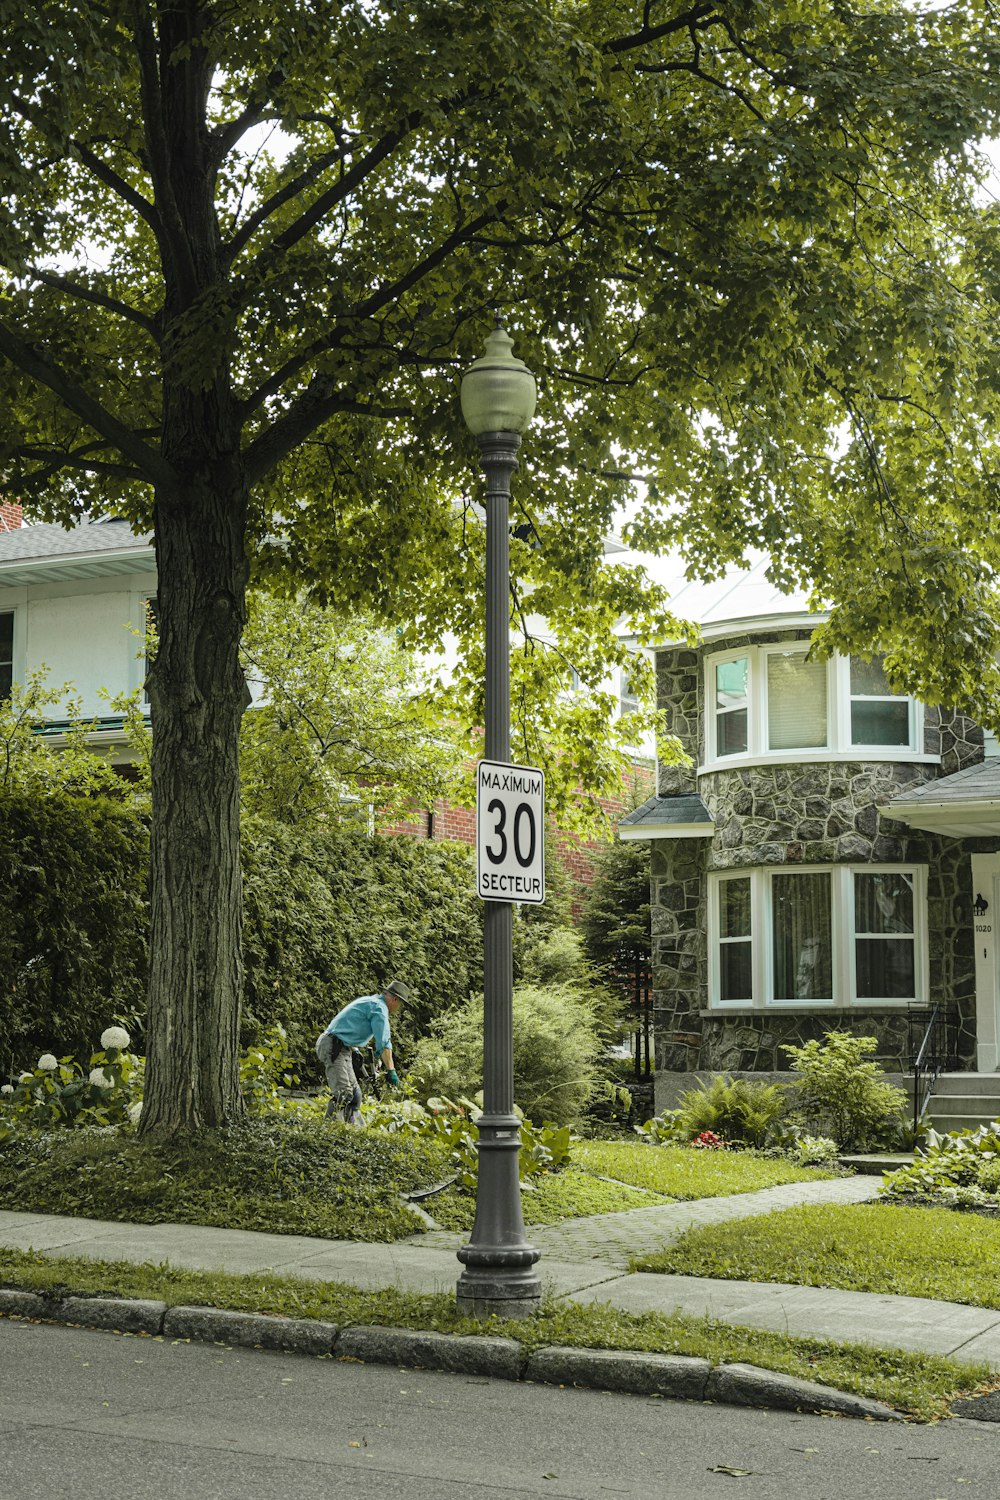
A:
{"x": 583, "y": 1261}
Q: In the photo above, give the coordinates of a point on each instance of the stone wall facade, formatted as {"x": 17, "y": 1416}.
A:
{"x": 811, "y": 813}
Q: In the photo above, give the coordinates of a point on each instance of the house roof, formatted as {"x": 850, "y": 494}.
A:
{"x": 741, "y": 596}
{"x": 963, "y": 805}
{"x": 47, "y": 553}
{"x": 683, "y": 816}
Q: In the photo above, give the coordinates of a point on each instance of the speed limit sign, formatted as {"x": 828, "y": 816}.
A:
{"x": 510, "y": 832}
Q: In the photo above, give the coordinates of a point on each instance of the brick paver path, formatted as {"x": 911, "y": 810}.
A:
{"x": 614, "y": 1239}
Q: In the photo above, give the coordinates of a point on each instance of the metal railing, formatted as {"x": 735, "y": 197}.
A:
{"x": 934, "y": 1052}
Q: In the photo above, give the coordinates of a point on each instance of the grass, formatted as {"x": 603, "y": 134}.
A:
{"x": 291, "y": 1175}
{"x": 912, "y": 1252}
{"x": 922, "y": 1385}
{"x": 681, "y": 1172}
{"x": 569, "y": 1194}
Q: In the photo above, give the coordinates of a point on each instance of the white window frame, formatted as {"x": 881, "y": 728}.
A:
{"x": 839, "y": 744}
{"x": 843, "y": 937}
{"x": 13, "y": 649}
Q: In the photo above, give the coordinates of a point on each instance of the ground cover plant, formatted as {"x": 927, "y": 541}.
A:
{"x": 922, "y": 1385}
{"x": 912, "y": 1252}
{"x": 276, "y": 1173}
{"x": 958, "y": 1170}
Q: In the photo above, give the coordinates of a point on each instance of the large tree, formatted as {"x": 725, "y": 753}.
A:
{"x": 248, "y": 247}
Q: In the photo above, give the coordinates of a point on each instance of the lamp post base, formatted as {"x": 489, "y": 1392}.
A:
{"x": 499, "y": 1275}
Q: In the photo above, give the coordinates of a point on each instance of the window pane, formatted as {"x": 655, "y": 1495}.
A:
{"x": 734, "y": 908}
{"x": 796, "y": 702}
{"x": 735, "y": 972}
{"x": 883, "y": 903}
{"x": 731, "y": 683}
{"x": 803, "y": 966}
{"x": 868, "y": 679}
{"x": 886, "y": 723}
{"x": 886, "y": 968}
{"x": 731, "y": 733}
{"x": 6, "y": 655}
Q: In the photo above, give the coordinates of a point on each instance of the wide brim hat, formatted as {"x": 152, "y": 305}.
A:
{"x": 399, "y": 989}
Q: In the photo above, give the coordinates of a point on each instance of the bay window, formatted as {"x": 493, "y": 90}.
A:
{"x": 775, "y": 702}
{"x": 833, "y": 935}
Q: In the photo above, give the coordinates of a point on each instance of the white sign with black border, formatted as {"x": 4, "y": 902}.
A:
{"x": 510, "y": 832}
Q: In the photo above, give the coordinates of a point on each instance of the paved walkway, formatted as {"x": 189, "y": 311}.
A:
{"x": 614, "y": 1239}
{"x": 583, "y": 1260}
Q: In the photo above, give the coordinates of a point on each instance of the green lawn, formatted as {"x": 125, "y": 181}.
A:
{"x": 867, "y": 1247}
{"x": 923, "y": 1385}
{"x": 682, "y": 1172}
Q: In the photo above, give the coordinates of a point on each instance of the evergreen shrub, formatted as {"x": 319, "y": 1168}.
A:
{"x": 73, "y": 940}
{"x": 332, "y": 914}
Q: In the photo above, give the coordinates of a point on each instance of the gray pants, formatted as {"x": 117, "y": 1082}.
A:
{"x": 345, "y": 1095}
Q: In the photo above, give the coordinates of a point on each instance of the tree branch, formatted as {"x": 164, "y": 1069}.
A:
{"x": 151, "y": 465}
{"x": 100, "y": 169}
{"x": 284, "y": 195}
{"x": 647, "y": 34}
{"x": 100, "y": 299}
{"x": 313, "y": 408}
{"x": 172, "y": 239}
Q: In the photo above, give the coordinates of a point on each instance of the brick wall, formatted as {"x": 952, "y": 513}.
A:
{"x": 10, "y": 515}
{"x": 445, "y": 821}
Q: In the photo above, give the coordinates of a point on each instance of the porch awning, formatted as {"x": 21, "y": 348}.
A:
{"x": 961, "y": 806}
{"x": 684, "y": 816}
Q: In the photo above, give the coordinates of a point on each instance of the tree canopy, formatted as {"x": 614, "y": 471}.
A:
{"x": 248, "y": 248}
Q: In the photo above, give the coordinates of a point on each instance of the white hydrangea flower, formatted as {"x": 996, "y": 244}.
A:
{"x": 6, "y": 1088}
{"x": 47, "y": 1063}
{"x": 25, "y": 1077}
{"x": 99, "y": 1079}
{"x": 134, "y": 1111}
{"x": 115, "y": 1038}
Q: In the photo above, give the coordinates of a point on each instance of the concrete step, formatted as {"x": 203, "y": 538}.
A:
{"x": 944, "y": 1120}
{"x": 967, "y": 1083}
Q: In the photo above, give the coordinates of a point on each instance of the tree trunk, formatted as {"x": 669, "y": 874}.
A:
{"x": 198, "y": 695}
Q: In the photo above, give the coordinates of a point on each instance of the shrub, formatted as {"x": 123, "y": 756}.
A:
{"x": 555, "y": 1049}
{"x": 842, "y": 1094}
{"x": 61, "y": 1091}
{"x": 334, "y": 913}
{"x": 736, "y": 1109}
{"x": 73, "y": 936}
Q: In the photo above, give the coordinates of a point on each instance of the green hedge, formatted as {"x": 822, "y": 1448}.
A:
{"x": 328, "y": 915}
{"x": 73, "y": 939}
{"x": 332, "y": 915}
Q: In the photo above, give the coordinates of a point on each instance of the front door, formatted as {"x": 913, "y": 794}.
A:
{"x": 985, "y": 916}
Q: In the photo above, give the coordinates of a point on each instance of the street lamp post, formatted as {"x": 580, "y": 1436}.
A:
{"x": 498, "y": 402}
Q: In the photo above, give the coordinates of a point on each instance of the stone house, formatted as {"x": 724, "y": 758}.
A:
{"x": 830, "y": 858}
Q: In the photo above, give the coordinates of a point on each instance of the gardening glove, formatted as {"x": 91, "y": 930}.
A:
{"x": 393, "y": 1077}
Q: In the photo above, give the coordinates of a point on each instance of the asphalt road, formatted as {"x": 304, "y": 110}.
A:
{"x": 103, "y": 1416}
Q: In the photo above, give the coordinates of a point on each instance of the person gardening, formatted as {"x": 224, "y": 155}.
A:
{"x": 364, "y": 1020}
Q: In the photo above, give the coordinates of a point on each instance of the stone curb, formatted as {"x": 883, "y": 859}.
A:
{"x": 746, "y": 1385}
{"x": 628, "y": 1371}
{"x": 460, "y": 1354}
{"x": 250, "y": 1330}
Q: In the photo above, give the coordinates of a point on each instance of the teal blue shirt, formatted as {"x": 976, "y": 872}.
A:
{"x": 361, "y": 1021}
